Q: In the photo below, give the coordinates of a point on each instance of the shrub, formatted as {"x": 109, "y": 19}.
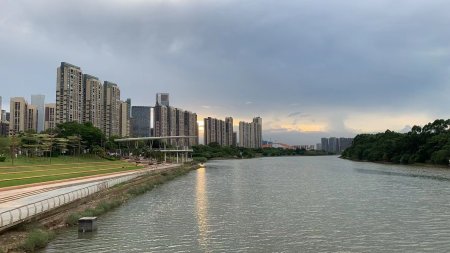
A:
{"x": 72, "y": 219}
{"x": 37, "y": 239}
{"x": 88, "y": 213}
{"x": 200, "y": 159}
{"x": 2, "y": 158}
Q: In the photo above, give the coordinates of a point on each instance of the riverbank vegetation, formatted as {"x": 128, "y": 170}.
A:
{"x": 202, "y": 153}
{"x": 67, "y": 139}
{"x": 427, "y": 144}
{"x": 38, "y": 238}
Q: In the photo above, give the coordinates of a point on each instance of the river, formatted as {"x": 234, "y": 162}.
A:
{"x": 286, "y": 204}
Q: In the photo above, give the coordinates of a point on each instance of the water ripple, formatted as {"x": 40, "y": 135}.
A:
{"x": 307, "y": 204}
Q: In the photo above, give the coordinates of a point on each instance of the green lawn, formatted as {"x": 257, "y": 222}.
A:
{"x": 37, "y": 170}
{"x": 46, "y": 160}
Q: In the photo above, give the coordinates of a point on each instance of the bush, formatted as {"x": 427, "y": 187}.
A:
{"x": 100, "y": 209}
{"x": 88, "y": 213}
{"x": 2, "y": 158}
{"x": 72, "y": 219}
{"x": 111, "y": 158}
{"x": 37, "y": 239}
{"x": 440, "y": 157}
{"x": 200, "y": 159}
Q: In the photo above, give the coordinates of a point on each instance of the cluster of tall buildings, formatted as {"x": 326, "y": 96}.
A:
{"x": 164, "y": 120}
{"x": 250, "y": 133}
{"x": 334, "y": 145}
{"x": 80, "y": 98}
{"x": 24, "y": 116}
{"x": 84, "y": 98}
{"x": 4, "y": 120}
{"x": 172, "y": 121}
{"x": 221, "y": 132}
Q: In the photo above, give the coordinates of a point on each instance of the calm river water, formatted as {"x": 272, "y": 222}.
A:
{"x": 295, "y": 204}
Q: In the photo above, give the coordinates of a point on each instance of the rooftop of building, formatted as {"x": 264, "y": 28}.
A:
{"x": 87, "y": 76}
{"x": 66, "y": 64}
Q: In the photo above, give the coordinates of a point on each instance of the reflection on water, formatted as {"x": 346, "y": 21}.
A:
{"x": 87, "y": 235}
{"x": 202, "y": 207}
{"x": 400, "y": 174}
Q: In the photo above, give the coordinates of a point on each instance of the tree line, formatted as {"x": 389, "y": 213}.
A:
{"x": 213, "y": 150}
{"x": 70, "y": 138}
{"x": 427, "y": 144}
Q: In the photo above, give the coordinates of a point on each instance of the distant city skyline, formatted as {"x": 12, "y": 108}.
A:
{"x": 308, "y": 68}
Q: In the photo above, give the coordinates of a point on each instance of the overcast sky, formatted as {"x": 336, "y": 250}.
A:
{"x": 308, "y": 68}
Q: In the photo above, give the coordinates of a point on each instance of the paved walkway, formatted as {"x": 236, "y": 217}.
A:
{"x": 10, "y": 199}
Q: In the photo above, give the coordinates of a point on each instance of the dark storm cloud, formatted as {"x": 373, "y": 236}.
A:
{"x": 240, "y": 58}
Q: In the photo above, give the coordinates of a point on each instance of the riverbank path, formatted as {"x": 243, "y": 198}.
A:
{"x": 11, "y": 199}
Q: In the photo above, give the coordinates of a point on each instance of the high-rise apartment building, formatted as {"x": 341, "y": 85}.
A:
{"x": 50, "y": 116}
{"x": 3, "y": 116}
{"x": 93, "y": 101}
{"x": 172, "y": 124}
{"x": 250, "y": 134}
{"x": 162, "y": 99}
{"x": 180, "y": 127}
{"x": 160, "y": 121}
{"x": 219, "y": 131}
{"x": 124, "y": 120}
{"x": 129, "y": 107}
{"x": 32, "y": 117}
{"x": 69, "y": 93}
{"x": 257, "y": 124}
{"x": 191, "y": 127}
{"x": 111, "y": 97}
{"x": 170, "y": 121}
{"x": 172, "y": 117}
{"x": 228, "y": 141}
{"x": 244, "y": 134}
{"x": 4, "y": 128}
{"x": 4, "y": 124}
{"x": 39, "y": 102}
{"x": 209, "y": 130}
{"x": 324, "y": 144}
{"x": 335, "y": 145}
{"x": 18, "y": 117}
{"x": 140, "y": 121}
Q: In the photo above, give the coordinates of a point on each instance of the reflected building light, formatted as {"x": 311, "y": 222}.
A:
{"x": 202, "y": 208}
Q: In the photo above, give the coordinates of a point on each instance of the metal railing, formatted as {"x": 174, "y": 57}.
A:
{"x": 22, "y": 213}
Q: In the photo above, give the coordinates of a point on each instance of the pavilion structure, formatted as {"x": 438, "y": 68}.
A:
{"x": 181, "y": 153}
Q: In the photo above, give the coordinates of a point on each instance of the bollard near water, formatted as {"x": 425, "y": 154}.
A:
{"x": 87, "y": 224}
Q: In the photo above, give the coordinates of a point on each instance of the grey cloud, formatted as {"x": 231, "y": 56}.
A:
{"x": 292, "y": 114}
{"x": 316, "y": 55}
{"x": 298, "y": 115}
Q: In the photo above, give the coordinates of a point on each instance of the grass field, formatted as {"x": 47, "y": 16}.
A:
{"x": 37, "y": 170}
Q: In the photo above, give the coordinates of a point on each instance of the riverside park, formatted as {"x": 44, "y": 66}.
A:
{"x": 27, "y": 171}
